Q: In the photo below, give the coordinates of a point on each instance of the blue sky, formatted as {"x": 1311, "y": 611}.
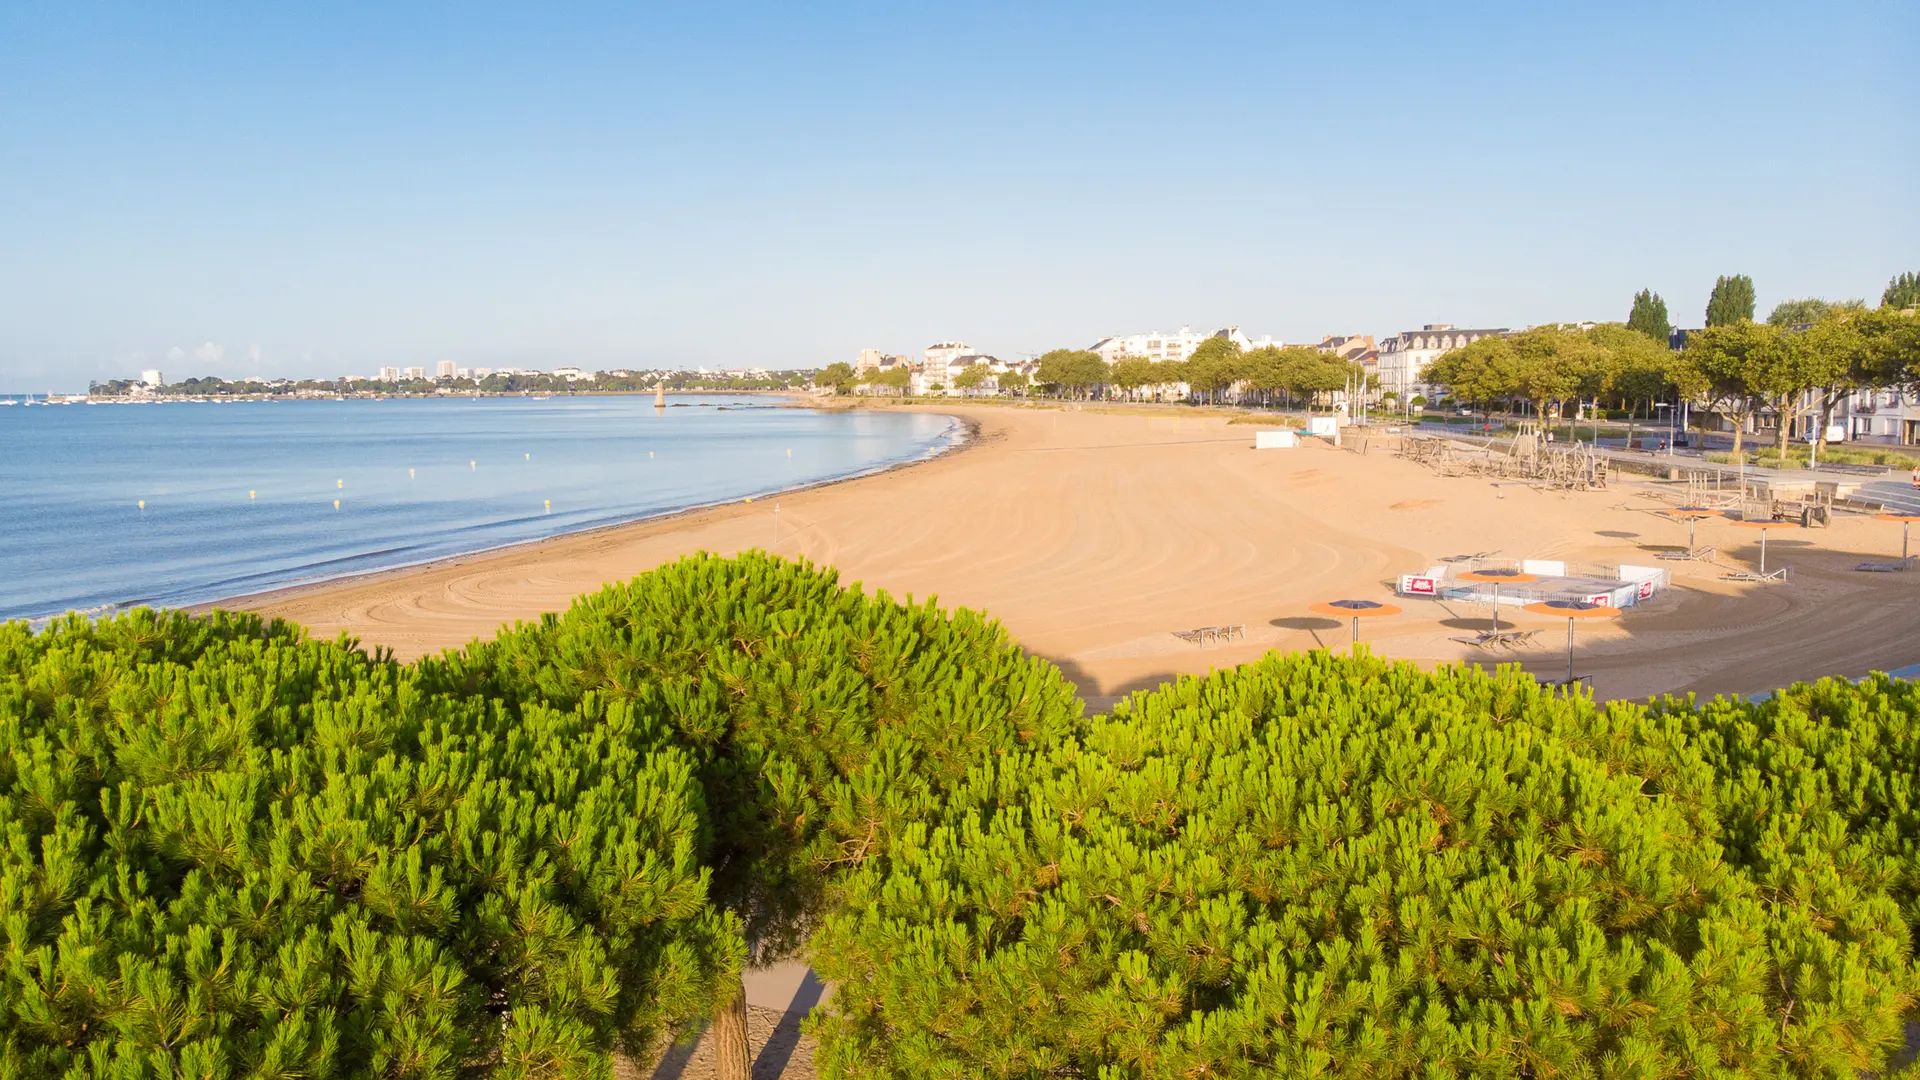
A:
{"x": 272, "y": 189}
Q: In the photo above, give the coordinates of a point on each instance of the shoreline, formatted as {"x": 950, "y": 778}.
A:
{"x": 966, "y": 438}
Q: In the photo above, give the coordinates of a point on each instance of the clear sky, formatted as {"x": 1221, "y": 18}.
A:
{"x": 321, "y": 189}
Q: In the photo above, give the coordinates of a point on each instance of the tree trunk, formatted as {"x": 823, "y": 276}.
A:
{"x": 731, "y": 1059}
{"x": 1739, "y": 429}
{"x": 1785, "y": 413}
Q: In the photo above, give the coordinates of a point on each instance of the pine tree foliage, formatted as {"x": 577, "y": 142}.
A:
{"x": 231, "y": 852}
{"x": 1316, "y": 866}
{"x": 823, "y": 721}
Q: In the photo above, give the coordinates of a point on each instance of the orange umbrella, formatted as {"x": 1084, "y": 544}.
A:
{"x": 1355, "y": 610}
{"x": 1571, "y": 610}
{"x": 1905, "y": 520}
{"x": 1498, "y": 578}
{"x": 1691, "y": 515}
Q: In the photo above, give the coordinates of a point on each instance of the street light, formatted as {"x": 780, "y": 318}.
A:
{"x": 1667, "y": 405}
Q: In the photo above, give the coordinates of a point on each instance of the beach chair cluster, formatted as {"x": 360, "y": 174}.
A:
{"x": 1206, "y": 635}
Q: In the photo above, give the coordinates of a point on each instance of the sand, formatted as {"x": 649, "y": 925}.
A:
{"x": 1093, "y": 535}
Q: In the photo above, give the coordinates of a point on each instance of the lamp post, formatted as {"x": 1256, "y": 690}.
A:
{"x": 1667, "y": 405}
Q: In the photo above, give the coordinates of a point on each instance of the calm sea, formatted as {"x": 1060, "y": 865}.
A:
{"x": 240, "y": 497}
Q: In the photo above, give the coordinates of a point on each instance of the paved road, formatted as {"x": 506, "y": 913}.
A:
{"x": 1898, "y": 496}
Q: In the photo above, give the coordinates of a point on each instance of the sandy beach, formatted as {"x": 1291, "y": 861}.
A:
{"x": 1094, "y": 535}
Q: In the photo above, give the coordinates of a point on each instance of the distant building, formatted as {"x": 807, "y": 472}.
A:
{"x": 871, "y": 360}
{"x": 1351, "y": 347}
{"x": 933, "y": 368}
{"x": 444, "y": 370}
{"x": 389, "y": 374}
{"x": 152, "y": 377}
{"x": 1158, "y": 347}
{"x": 572, "y": 374}
{"x": 416, "y": 373}
{"x": 462, "y": 373}
{"x": 1404, "y": 357}
{"x": 482, "y": 372}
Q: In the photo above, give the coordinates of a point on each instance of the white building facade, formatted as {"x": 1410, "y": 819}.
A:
{"x": 933, "y": 367}
{"x": 1158, "y": 347}
{"x": 1404, "y": 357}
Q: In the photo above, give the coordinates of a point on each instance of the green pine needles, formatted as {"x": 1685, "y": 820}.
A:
{"x": 1327, "y": 866}
{"x": 227, "y": 851}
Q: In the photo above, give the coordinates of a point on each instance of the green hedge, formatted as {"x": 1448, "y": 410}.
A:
{"x": 230, "y": 851}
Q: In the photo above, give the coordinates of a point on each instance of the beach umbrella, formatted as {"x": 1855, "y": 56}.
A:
{"x": 1355, "y": 610}
{"x": 1691, "y": 515}
{"x": 1572, "y": 611}
{"x": 1906, "y": 521}
{"x": 1763, "y": 526}
{"x": 1498, "y": 578}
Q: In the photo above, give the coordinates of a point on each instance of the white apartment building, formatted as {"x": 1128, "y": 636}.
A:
{"x": 389, "y": 374}
{"x": 933, "y": 369}
{"x": 1404, "y": 356}
{"x": 444, "y": 370}
{"x": 416, "y": 373}
{"x": 152, "y": 377}
{"x": 871, "y": 360}
{"x": 572, "y": 374}
{"x": 1156, "y": 346}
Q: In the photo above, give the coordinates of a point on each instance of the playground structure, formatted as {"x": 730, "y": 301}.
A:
{"x": 1529, "y": 457}
{"x": 1753, "y": 498}
{"x": 1590, "y": 583}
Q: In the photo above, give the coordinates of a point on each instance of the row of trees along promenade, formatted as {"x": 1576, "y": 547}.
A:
{"x": 232, "y": 851}
{"x": 1803, "y": 360}
{"x": 1264, "y": 376}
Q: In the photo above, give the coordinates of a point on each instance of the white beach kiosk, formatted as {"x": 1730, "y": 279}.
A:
{"x": 1591, "y": 583}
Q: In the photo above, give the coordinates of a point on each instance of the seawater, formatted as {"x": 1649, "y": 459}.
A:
{"x": 240, "y": 496}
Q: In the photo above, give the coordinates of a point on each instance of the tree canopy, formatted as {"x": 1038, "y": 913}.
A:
{"x": 896, "y": 378}
{"x": 1731, "y": 301}
{"x": 1810, "y": 310}
{"x": 1322, "y": 866}
{"x": 1902, "y": 292}
{"x": 1649, "y": 316}
{"x": 838, "y": 377}
{"x": 1076, "y": 371}
{"x": 233, "y": 851}
{"x": 1213, "y": 366}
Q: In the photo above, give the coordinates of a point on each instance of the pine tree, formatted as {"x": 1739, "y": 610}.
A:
{"x": 229, "y": 850}
{"x": 1649, "y": 316}
{"x": 1334, "y": 866}
{"x": 1731, "y": 302}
